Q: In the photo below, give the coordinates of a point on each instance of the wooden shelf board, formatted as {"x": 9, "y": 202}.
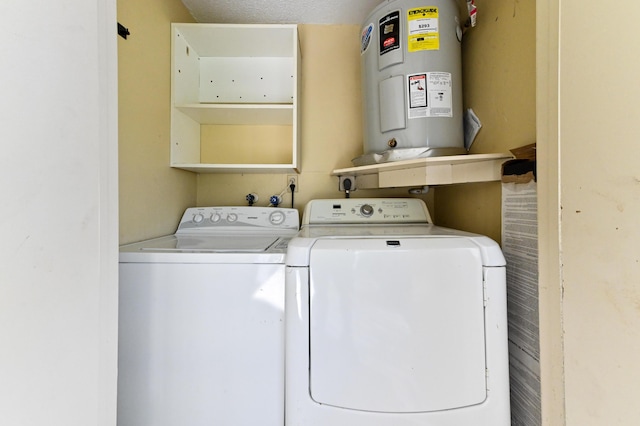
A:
{"x": 240, "y": 114}
{"x": 237, "y": 168}
{"x": 429, "y": 171}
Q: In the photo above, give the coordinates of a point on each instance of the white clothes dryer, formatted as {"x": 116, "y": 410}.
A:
{"x": 392, "y": 321}
{"x": 201, "y": 323}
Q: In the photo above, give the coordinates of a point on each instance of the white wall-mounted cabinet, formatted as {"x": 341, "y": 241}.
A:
{"x": 235, "y": 91}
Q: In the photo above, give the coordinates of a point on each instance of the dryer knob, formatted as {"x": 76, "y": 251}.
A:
{"x": 366, "y": 210}
{"x": 198, "y": 218}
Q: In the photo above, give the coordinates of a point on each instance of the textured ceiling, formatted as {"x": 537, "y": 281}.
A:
{"x": 281, "y": 11}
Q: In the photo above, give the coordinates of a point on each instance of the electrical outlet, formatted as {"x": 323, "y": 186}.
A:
{"x": 293, "y": 178}
{"x": 350, "y": 179}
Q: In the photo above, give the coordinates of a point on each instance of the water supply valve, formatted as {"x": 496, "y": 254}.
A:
{"x": 251, "y": 199}
{"x": 275, "y": 200}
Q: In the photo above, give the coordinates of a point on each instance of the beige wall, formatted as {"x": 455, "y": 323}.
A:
{"x": 589, "y": 209}
{"x": 598, "y": 190}
{"x": 152, "y": 195}
{"x": 331, "y": 126}
{"x": 499, "y": 85}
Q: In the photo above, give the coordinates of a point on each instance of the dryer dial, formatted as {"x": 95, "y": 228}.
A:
{"x": 366, "y": 210}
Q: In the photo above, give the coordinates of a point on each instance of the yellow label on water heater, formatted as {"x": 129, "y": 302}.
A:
{"x": 423, "y": 29}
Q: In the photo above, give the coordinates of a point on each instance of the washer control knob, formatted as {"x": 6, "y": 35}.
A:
{"x": 215, "y": 217}
{"x": 198, "y": 218}
{"x": 232, "y": 217}
{"x": 366, "y": 210}
{"x": 276, "y": 218}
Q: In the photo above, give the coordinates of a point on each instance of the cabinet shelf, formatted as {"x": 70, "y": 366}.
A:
{"x": 240, "y": 114}
{"x": 234, "y": 168}
{"x": 429, "y": 171}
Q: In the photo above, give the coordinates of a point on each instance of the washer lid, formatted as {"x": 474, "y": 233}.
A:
{"x": 397, "y": 325}
{"x": 207, "y": 249}
{"x": 211, "y": 244}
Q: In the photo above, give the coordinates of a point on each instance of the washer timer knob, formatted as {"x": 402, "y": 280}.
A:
{"x": 232, "y": 217}
{"x": 276, "y": 218}
{"x": 366, "y": 210}
{"x": 198, "y": 218}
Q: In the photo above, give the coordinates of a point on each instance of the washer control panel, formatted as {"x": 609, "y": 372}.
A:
{"x": 366, "y": 210}
{"x": 202, "y": 219}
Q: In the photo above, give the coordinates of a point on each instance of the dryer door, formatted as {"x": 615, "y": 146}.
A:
{"x": 397, "y": 325}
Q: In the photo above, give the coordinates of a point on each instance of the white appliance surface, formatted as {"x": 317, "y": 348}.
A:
{"x": 201, "y": 331}
{"x": 233, "y": 234}
{"x": 392, "y": 321}
{"x": 368, "y": 332}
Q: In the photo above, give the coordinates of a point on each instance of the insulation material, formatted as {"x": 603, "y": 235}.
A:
{"x": 520, "y": 248}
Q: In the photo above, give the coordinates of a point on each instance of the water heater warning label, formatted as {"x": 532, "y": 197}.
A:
{"x": 430, "y": 95}
{"x": 423, "y": 29}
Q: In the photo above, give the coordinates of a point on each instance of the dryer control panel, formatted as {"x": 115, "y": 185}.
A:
{"x": 366, "y": 210}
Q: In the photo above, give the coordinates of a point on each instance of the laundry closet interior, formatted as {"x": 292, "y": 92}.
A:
{"x": 498, "y": 79}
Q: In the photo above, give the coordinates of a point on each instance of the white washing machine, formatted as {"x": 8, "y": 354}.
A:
{"x": 201, "y": 325}
{"x": 392, "y": 321}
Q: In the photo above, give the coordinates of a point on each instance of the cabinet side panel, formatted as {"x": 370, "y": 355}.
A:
{"x": 185, "y": 71}
{"x": 297, "y": 84}
{"x": 185, "y": 139}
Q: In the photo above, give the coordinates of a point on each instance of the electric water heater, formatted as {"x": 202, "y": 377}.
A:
{"x": 411, "y": 78}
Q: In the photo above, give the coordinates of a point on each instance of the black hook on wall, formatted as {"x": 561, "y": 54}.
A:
{"x": 123, "y": 31}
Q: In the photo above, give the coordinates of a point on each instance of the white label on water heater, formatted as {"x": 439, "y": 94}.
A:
{"x": 430, "y": 95}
